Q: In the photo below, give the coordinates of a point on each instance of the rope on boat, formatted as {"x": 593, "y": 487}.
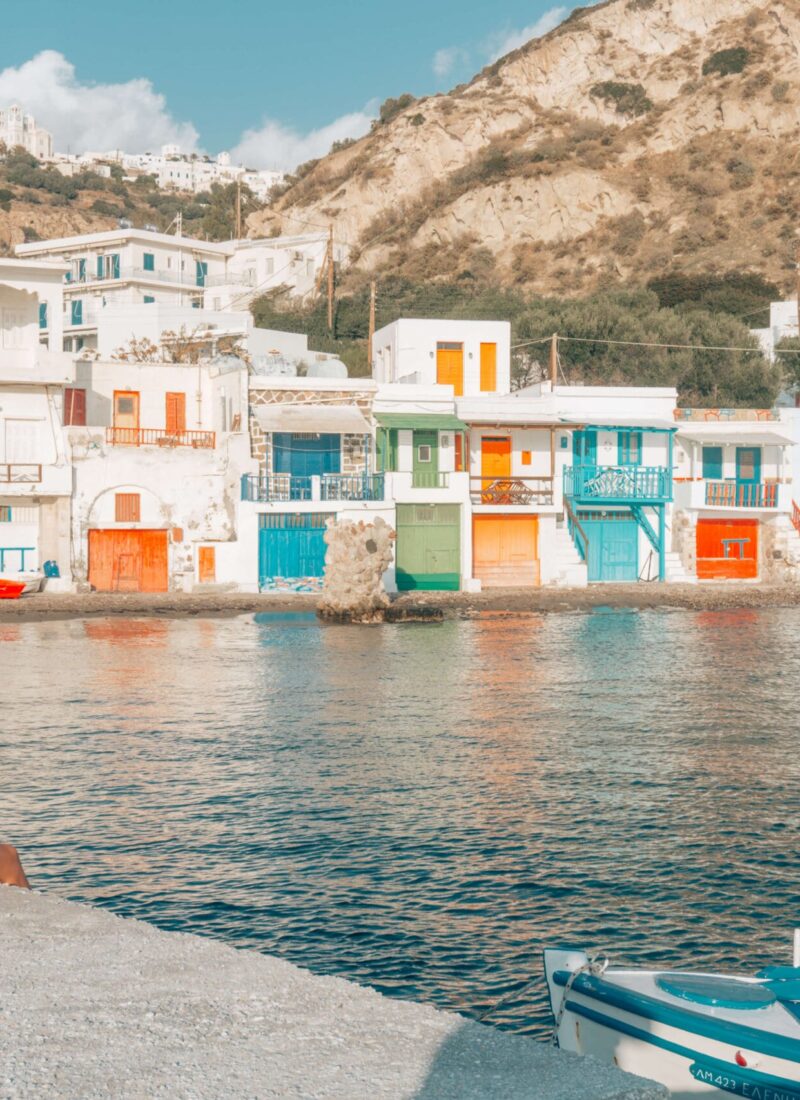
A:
{"x": 595, "y": 965}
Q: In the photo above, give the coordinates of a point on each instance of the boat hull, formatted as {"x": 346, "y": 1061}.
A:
{"x": 14, "y": 585}
{"x": 601, "y": 1019}
{"x": 11, "y": 590}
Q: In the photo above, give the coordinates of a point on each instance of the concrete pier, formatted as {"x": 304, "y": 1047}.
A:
{"x": 95, "y": 1006}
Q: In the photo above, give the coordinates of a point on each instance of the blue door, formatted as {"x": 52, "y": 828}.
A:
{"x": 613, "y": 548}
{"x": 584, "y": 448}
{"x": 748, "y": 477}
{"x": 291, "y": 550}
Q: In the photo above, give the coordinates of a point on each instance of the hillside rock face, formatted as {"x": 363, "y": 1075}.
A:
{"x": 637, "y": 136}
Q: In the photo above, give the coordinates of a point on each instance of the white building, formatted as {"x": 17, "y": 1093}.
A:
{"x": 19, "y": 129}
{"x": 158, "y": 452}
{"x": 782, "y": 323}
{"x": 126, "y": 269}
{"x": 35, "y": 474}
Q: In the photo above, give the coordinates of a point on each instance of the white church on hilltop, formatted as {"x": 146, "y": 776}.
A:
{"x": 17, "y": 128}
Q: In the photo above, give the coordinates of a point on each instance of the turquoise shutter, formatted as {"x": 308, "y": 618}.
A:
{"x": 115, "y": 266}
{"x": 42, "y": 314}
{"x": 712, "y": 463}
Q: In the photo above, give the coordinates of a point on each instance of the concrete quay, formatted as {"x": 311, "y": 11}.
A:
{"x": 94, "y": 1006}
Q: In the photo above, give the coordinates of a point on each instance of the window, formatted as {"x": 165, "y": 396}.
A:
{"x": 201, "y": 272}
{"x": 74, "y": 406}
{"x": 169, "y": 263}
{"x": 148, "y": 298}
{"x": 712, "y": 463}
{"x": 526, "y": 458}
{"x": 424, "y": 453}
{"x": 5, "y": 513}
{"x": 42, "y": 314}
{"x": 101, "y": 267}
{"x": 81, "y": 271}
{"x": 149, "y": 261}
{"x": 76, "y": 311}
{"x": 629, "y": 446}
{"x": 127, "y": 507}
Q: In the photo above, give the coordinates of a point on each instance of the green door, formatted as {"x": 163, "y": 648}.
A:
{"x": 428, "y": 549}
{"x": 425, "y": 468}
{"x": 613, "y": 548}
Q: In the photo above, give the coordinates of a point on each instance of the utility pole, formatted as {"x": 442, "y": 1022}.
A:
{"x": 371, "y": 322}
{"x": 238, "y": 209}
{"x": 330, "y": 279}
{"x": 797, "y": 275}
{"x": 179, "y": 224}
{"x": 554, "y": 359}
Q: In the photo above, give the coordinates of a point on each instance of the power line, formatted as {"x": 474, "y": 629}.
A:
{"x": 648, "y": 344}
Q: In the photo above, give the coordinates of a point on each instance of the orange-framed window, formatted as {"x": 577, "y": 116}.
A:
{"x": 127, "y": 507}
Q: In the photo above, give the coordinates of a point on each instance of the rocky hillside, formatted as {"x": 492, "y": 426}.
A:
{"x": 640, "y": 136}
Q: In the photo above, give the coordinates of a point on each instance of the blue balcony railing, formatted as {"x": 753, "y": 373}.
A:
{"x": 618, "y": 484}
{"x": 269, "y": 488}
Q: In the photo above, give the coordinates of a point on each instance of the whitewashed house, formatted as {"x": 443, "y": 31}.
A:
{"x": 19, "y": 129}
{"x": 158, "y": 451}
{"x": 35, "y": 475}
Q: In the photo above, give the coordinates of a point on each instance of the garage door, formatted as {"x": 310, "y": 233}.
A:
{"x": 727, "y": 549}
{"x": 505, "y": 551}
{"x": 291, "y": 548}
{"x": 428, "y": 551}
{"x": 128, "y": 561}
{"x": 613, "y": 547}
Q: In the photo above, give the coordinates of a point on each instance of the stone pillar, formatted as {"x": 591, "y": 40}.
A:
{"x": 358, "y": 555}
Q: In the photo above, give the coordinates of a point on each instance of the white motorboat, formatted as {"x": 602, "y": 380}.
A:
{"x": 700, "y": 1034}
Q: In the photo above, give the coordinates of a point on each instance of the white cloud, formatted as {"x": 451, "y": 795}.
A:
{"x": 446, "y": 59}
{"x": 131, "y": 116}
{"x": 279, "y": 147}
{"x": 505, "y": 41}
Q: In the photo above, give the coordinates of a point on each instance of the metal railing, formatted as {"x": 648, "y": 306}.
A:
{"x": 618, "y": 483}
{"x": 430, "y": 479}
{"x": 579, "y": 536}
{"x": 730, "y": 494}
{"x": 512, "y": 490}
{"x": 159, "y": 437}
{"x": 267, "y": 488}
{"x": 20, "y": 473}
{"x": 21, "y": 550}
{"x": 188, "y": 279}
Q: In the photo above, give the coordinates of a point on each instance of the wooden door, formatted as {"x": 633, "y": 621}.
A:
{"x": 505, "y": 551}
{"x": 123, "y": 560}
{"x": 176, "y": 413}
{"x": 495, "y": 459}
{"x": 727, "y": 549}
{"x": 450, "y": 366}
{"x": 207, "y": 564}
{"x": 488, "y": 368}
{"x": 428, "y": 548}
{"x": 126, "y": 416}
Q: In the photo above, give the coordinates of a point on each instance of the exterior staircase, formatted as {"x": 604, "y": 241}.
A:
{"x": 572, "y": 571}
{"x": 675, "y": 572}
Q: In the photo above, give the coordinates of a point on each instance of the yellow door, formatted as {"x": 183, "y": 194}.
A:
{"x": 495, "y": 462}
{"x": 450, "y": 366}
{"x": 488, "y": 368}
{"x": 505, "y": 551}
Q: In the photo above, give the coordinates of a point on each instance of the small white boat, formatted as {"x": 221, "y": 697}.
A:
{"x": 31, "y": 580}
{"x": 701, "y": 1035}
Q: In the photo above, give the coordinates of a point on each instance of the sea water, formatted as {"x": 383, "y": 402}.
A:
{"x": 419, "y": 808}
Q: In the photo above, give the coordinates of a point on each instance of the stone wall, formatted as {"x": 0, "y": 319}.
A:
{"x": 353, "y": 450}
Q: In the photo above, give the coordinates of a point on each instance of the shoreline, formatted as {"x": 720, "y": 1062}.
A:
{"x": 513, "y": 601}
{"x": 96, "y": 1005}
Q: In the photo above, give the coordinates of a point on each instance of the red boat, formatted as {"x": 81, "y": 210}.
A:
{"x": 11, "y": 590}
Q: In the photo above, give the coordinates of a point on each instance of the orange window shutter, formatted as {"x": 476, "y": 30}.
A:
{"x": 207, "y": 564}
{"x": 488, "y": 368}
{"x": 459, "y": 463}
{"x": 127, "y": 507}
{"x": 176, "y": 412}
{"x": 526, "y": 458}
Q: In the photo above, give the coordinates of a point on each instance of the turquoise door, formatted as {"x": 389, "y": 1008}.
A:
{"x": 291, "y": 547}
{"x": 584, "y": 448}
{"x": 748, "y": 476}
{"x": 613, "y": 549}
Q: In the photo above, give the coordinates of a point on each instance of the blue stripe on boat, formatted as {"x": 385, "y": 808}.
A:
{"x": 725, "y": 1031}
{"x": 790, "y": 1090}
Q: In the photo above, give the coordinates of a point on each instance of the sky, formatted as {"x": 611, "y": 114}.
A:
{"x": 273, "y": 83}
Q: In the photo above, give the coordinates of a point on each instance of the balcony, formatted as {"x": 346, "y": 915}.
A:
{"x": 730, "y": 494}
{"x": 618, "y": 484}
{"x": 159, "y": 437}
{"x": 271, "y": 488}
{"x": 20, "y": 473}
{"x": 515, "y": 491}
{"x": 430, "y": 479}
{"x": 187, "y": 279}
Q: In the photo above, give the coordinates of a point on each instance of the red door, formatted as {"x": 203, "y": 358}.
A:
{"x": 128, "y": 561}
{"x": 727, "y": 549}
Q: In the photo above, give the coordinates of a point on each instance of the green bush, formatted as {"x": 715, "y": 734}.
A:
{"x": 628, "y": 99}
{"x": 726, "y": 62}
{"x": 391, "y": 108}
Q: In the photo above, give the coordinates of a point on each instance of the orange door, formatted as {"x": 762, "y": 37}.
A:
{"x": 727, "y": 549}
{"x": 495, "y": 460}
{"x": 126, "y": 409}
{"x": 207, "y": 564}
{"x": 176, "y": 413}
{"x": 128, "y": 561}
{"x": 505, "y": 551}
{"x": 488, "y": 368}
{"x": 450, "y": 366}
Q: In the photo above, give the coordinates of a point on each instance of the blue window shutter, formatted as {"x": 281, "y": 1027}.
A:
{"x": 148, "y": 298}
{"x": 100, "y": 267}
{"x": 42, "y": 314}
{"x": 149, "y": 261}
{"x": 712, "y": 463}
{"x": 201, "y": 269}
{"x": 82, "y": 271}
{"x": 629, "y": 448}
{"x": 77, "y": 311}
{"x": 115, "y": 266}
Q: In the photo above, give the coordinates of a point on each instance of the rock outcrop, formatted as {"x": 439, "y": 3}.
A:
{"x": 358, "y": 555}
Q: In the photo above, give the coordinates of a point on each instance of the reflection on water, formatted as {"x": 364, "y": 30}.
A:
{"x": 420, "y": 808}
